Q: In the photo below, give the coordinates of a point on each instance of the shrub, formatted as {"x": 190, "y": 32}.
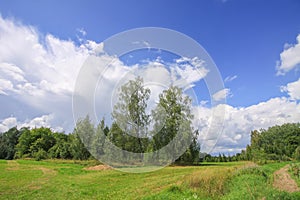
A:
{"x": 296, "y": 154}
{"x": 295, "y": 169}
{"x": 40, "y": 155}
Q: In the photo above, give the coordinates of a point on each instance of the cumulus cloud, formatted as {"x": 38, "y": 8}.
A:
{"x": 47, "y": 63}
{"x": 191, "y": 69}
{"x": 289, "y": 58}
{"x": 39, "y": 70}
{"x": 239, "y": 121}
{"x": 7, "y": 124}
{"x": 293, "y": 89}
{"x": 5, "y": 86}
{"x": 37, "y": 122}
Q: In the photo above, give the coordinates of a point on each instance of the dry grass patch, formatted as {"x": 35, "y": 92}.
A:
{"x": 99, "y": 167}
{"x": 210, "y": 181}
{"x": 12, "y": 165}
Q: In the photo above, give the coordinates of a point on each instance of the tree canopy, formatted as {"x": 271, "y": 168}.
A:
{"x": 275, "y": 143}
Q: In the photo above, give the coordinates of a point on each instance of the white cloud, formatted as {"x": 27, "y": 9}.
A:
{"x": 7, "y": 124}
{"x": 293, "y": 89}
{"x": 11, "y": 71}
{"x": 187, "y": 71}
{"x": 289, "y": 58}
{"x": 5, "y": 85}
{"x": 239, "y": 121}
{"x": 230, "y": 78}
{"x": 221, "y": 95}
{"x": 39, "y": 70}
{"x": 37, "y": 122}
{"x": 50, "y": 64}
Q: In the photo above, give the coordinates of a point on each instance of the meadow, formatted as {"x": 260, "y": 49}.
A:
{"x": 67, "y": 179}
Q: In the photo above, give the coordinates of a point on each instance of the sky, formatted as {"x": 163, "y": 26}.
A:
{"x": 254, "y": 44}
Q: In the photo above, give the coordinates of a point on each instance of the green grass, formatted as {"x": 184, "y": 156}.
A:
{"x": 256, "y": 183}
{"x": 294, "y": 171}
{"x": 63, "y": 179}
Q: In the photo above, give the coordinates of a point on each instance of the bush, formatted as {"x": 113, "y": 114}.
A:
{"x": 40, "y": 155}
{"x": 296, "y": 154}
{"x": 295, "y": 169}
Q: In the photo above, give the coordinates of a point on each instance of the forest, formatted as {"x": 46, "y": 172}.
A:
{"x": 280, "y": 143}
{"x": 275, "y": 143}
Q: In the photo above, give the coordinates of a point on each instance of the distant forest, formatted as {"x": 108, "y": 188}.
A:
{"x": 279, "y": 143}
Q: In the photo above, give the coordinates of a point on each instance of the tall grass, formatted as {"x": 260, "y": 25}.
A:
{"x": 294, "y": 170}
{"x": 256, "y": 183}
{"x": 208, "y": 182}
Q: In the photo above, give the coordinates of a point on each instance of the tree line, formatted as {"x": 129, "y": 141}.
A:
{"x": 41, "y": 143}
{"x": 279, "y": 143}
{"x": 129, "y": 130}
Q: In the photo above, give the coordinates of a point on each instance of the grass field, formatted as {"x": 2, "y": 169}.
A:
{"x": 61, "y": 179}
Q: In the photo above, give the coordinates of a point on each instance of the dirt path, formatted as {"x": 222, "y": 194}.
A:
{"x": 283, "y": 180}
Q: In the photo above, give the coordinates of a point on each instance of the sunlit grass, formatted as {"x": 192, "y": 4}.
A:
{"x": 65, "y": 179}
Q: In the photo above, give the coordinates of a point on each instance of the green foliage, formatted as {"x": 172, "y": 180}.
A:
{"x": 40, "y": 154}
{"x": 275, "y": 143}
{"x": 77, "y": 148}
{"x": 42, "y": 143}
{"x": 172, "y": 117}
{"x": 129, "y": 114}
{"x": 61, "y": 149}
{"x": 256, "y": 183}
{"x": 35, "y": 142}
{"x": 294, "y": 169}
{"x": 258, "y": 171}
{"x": 98, "y": 141}
{"x": 296, "y": 154}
{"x": 8, "y": 141}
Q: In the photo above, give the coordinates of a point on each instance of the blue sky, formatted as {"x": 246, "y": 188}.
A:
{"x": 245, "y": 38}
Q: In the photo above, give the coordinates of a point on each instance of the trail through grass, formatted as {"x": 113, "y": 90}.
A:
{"x": 257, "y": 183}
{"x": 283, "y": 180}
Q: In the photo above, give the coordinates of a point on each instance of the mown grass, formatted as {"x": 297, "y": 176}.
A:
{"x": 63, "y": 179}
{"x": 27, "y": 180}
